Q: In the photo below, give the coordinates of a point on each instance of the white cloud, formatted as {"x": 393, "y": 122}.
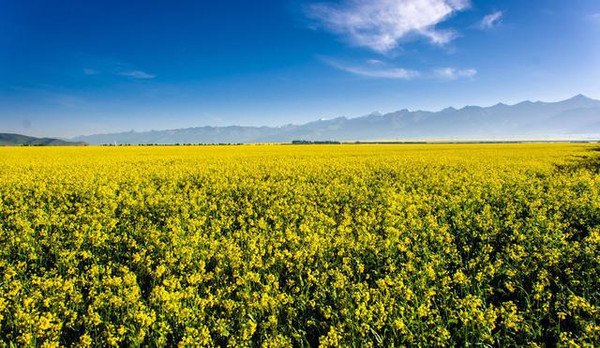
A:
{"x": 491, "y": 20}
{"x": 88, "y": 71}
{"x": 381, "y": 25}
{"x": 137, "y": 74}
{"x": 450, "y": 73}
{"x": 379, "y": 71}
{"x": 374, "y": 61}
{"x": 382, "y": 70}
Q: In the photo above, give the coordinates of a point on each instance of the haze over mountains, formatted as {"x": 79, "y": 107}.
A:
{"x": 574, "y": 118}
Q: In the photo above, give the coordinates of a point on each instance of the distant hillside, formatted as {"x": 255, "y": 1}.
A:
{"x": 576, "y": 118}
{"x": 9, "y": 139}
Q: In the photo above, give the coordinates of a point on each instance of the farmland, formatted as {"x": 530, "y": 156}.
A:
{"x": 275, "y": 245}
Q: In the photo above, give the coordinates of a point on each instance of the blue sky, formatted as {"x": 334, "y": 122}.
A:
{"x": 71, "y": 67}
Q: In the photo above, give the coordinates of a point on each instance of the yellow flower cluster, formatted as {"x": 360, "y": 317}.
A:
{"x": 275, "y": 245}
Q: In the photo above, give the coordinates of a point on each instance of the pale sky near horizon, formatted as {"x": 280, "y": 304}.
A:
{"x": 71, "y": 68}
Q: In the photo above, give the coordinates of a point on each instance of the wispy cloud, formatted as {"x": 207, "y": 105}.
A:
{"x": 113, "y": 67}
{"x": 450, "y": 73}
{"x": 491, "y": 20}
{"x": 381, "y": 25}
{"x": 137, "y": 74}
{"x": 89, "y": 72}
{"x": 382, "y": 70}
{"x": 374, "y": 61}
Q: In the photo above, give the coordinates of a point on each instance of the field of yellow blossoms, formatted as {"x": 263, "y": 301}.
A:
{"x": 281, "y": 245}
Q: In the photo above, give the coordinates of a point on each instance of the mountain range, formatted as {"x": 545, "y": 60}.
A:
{"x": 574, "y": 118}
{"x": 10, "y": 139}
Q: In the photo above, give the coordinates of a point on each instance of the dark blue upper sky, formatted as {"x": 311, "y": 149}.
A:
{"x": 79, "y": 67}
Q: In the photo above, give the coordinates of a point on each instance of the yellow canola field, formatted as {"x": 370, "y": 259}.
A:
{"x": 280, "y": 245}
